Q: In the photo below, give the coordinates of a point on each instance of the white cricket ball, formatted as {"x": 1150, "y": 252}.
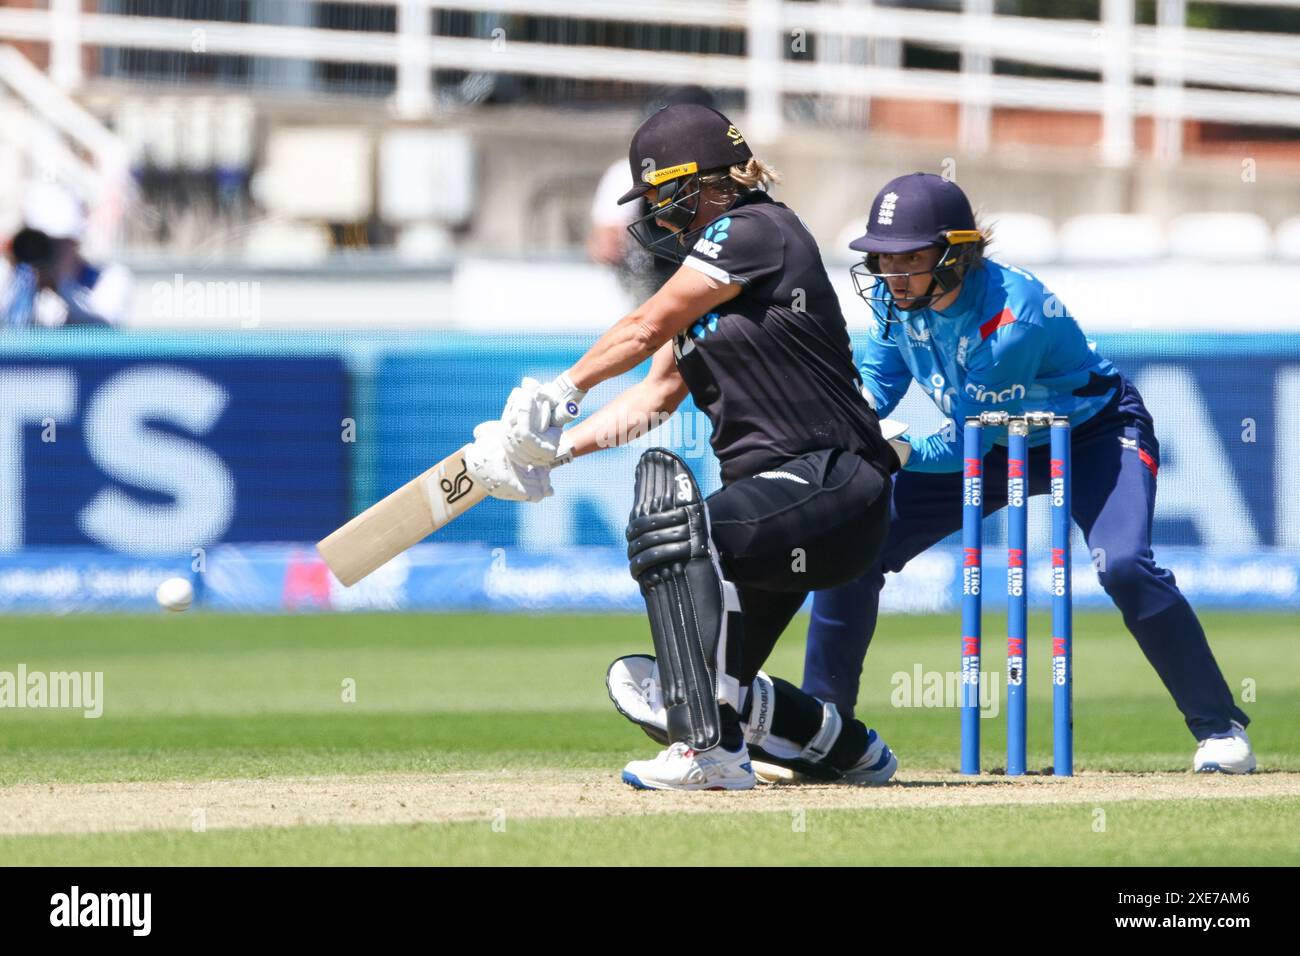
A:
{"x": 175, "y": 594}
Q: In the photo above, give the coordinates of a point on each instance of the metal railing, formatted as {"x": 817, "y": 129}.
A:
{"x": 62, "y": 141}
{"x": 1167, "y": 71}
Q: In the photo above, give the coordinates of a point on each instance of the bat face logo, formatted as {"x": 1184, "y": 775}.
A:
{"x": 458, "y": 486}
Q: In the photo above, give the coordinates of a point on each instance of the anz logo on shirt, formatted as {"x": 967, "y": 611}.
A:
{"x": 710, "y": 244}
{"x": 684, "y": 344}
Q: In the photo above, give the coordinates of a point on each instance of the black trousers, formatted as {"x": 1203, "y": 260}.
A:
{"x": 817, "y": 521}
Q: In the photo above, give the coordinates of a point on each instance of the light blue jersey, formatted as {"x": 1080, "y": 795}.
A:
{"x": 1006, "y": 344}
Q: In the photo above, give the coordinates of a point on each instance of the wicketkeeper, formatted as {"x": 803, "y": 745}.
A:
{"x": 977, "y": 336}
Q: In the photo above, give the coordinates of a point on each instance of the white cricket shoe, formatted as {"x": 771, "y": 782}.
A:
{"x": 1228, "y": 752}
{"x": 681, "y": 768}
{"x": 877, "y": 765}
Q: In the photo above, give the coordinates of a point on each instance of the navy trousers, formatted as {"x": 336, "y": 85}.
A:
{"x": 1115, "y": 459}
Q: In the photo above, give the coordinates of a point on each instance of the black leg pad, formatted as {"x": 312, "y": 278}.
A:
{"x": 689, "y": 603}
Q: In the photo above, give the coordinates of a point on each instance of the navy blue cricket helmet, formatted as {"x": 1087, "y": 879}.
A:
{"x": 910, "y": 213}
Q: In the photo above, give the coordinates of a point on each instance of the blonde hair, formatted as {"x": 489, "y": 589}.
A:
{"x": 754, "y": 174}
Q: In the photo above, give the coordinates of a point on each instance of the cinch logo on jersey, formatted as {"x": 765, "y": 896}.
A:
{"x": 710, "y": 244}
{"x": 102, "y": 909}
{"x": 885, "y": 216}
{"x": 983, "y": 395}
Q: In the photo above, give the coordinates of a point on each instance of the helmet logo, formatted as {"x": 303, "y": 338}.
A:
{"x": 886, "y": 215}
{"x": 733, "y": 134}
{"x": 654, "y": 176}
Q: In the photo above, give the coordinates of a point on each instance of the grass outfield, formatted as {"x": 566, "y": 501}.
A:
{"x": 207, "y": 697}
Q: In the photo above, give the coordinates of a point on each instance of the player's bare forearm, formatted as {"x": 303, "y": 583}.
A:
{"x": 637, "y": 336}
{"x": 630, "y": 342}
{"x": 638, "y": 410}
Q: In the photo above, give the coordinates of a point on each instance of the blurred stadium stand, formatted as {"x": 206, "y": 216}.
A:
{"x": 259, "y": 136}
{"x": 1101, "y": 106}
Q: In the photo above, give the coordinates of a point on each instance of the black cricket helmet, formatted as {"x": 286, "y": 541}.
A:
{"x": 670, "y": 152}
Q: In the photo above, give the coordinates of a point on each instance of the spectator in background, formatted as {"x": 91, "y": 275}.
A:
{"x": 44, "y": 281}
{"x": 608, "y": 243}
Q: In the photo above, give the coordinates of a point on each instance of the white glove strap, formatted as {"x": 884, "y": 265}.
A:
{"x": 564, "y": 451}
{"x": 568, "y": 396}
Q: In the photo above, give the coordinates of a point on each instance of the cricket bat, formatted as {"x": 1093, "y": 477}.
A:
{"x": 407, "y": 516}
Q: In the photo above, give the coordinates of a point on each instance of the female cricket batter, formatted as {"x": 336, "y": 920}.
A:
{"x": 981, "y": 336}
{"x": 750, "y": 326}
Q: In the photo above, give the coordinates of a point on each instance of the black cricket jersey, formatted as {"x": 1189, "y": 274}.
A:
{"x": 773, "y": 368}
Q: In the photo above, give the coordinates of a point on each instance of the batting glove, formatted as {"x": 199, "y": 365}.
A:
{"x": 895, "y": 433}
{"x": 490, "y": 463}
{"x": 534, "y": 416}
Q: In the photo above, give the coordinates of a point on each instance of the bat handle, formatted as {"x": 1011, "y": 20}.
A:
{"x": 569, "y": 395}
{"x": 564, "y": 412}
